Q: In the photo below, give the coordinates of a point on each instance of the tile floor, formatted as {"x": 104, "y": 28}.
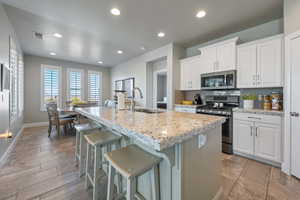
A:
{"x": 42, "y": 168}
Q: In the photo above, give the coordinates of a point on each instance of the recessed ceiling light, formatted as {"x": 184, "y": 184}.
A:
{"x": 115, "y": 11}
{"x": 100, "y": 62}
{"x": 143, "y": 48}
{"x": 161, "y": 34}
{"x": 58, "y": 35}
{"x": 52, "y": 53}
{"x": 120, "y": 52}
{"x": 201, "y": 14}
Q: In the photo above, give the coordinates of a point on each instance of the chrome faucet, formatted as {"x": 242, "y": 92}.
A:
{"x": 132, "y": 106}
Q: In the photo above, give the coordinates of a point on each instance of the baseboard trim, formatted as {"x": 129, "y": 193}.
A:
{"x": 35, "y": 124}
{"x": 4, "y": 157}
{"x": 272, "y": 163}
{"x": 219, "y": 194}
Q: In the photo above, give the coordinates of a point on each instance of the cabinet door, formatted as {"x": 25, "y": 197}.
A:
{"x": 243, "y": 138}
{"x": 226, "y": 57}
{"x": 268, "y": 141}
{"x": 246, "y": 67}
{"x": 185, "y": 75}
{"x": 190, "y": 73}
{"x": 209, "y": 59}
{"x": 269, "y": 63}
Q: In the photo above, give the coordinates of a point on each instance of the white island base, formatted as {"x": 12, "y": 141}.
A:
{"x": 196, "y": 172}
{"x": 187, "y": 172}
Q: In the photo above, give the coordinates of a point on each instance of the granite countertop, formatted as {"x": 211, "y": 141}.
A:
{"x": 159, "y": 130}
{"x": 259, "y": 111}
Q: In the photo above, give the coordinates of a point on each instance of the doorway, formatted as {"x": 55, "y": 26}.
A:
{"x": 160, "y": 89}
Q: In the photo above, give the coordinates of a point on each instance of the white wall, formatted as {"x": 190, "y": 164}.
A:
{"x": 6, "y": 31}
{"x": 291, "y": 16}
{"x": 137, "y": 68}
{"x": 254, "y": 33}
{"x": 32, "y": 88}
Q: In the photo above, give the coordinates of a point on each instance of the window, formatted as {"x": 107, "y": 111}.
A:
{"x": 94, "y": 86}
{"x": 51, "y": 85}
{"x": 75, "y": 84}
{"x": 21, "y": 84}
{"x": 13, "y": 64}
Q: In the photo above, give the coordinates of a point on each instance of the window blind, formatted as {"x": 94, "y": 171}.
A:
{"x": 94, "y": 90}
{"x": 13, "y": 63}
{"x": 21, "y": 84}
{"x": 75, "y": 86}
{"x": 51, "y": 85}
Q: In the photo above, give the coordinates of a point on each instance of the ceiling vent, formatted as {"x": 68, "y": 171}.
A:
{"x": 38, "y": 35}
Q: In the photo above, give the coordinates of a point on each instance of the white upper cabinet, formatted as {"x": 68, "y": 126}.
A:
{"x": 269, "y": 63}
{"x": 226, "y": 56}
{"x": 214, "y": 58}
{"x": 260, "y": 63}
{"x": 190, "y": 73}
{"x": 246, "y": 67}
{"x": 209, "y": 57}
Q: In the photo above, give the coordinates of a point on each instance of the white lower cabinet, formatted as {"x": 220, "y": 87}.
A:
{"x": 258, "y": 136}
{"x": 244, "y": 140}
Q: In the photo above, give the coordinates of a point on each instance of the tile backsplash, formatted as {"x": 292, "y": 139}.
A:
{"x": 189, "y": 95}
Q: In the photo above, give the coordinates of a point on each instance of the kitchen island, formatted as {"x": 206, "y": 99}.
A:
{"x": 189, "y": 144}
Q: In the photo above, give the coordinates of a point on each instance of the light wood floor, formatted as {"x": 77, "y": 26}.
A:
{"x": 43, "y": 168}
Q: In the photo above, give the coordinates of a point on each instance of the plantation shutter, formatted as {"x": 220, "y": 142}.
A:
{"x": 94, "y": 86}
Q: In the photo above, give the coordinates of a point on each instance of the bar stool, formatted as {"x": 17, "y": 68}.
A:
{"x": 97, "y": 139}
{"x": 80, "y": 152}
{"x": 131, "y": 162}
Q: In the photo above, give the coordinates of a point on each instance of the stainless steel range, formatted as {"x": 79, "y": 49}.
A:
{"x": 222, "y": 105}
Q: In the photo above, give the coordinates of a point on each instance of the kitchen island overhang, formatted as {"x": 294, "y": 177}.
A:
{"x": 190, "y": 145}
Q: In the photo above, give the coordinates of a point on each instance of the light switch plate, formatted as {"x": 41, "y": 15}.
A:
{"x": 201, "y": 140}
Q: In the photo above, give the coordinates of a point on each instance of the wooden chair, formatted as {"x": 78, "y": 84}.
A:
{"x": 55, "y": 120}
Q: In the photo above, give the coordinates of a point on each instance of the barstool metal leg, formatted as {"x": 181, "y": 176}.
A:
{"x": 82, "y": 155}
{"x": 111, "y": 176}
{"x": 155, "y": 183}
{"x": 77, "y": 147}
{"x": 97, "y": 163}
{"x": 119, "y": 176}
{"x": 87, "y": 166}
{"x": 131, "y": 188}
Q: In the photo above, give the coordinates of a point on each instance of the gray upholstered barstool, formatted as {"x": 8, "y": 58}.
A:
{"x": 97, "y": 139}
{"x": 131, "y": 162}
{"x": 80, "y": 152}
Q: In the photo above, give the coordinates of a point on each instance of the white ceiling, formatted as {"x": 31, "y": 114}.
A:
{"x": 91, "y": 33}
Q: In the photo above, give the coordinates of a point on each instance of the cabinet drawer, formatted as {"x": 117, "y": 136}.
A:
{"x": 270, "y": 119}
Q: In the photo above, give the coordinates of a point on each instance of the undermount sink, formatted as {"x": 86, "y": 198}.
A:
{"x": 146, "y": 110}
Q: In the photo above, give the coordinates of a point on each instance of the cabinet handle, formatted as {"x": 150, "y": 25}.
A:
{"x": 258, "y": 77}
{"x": 251, "y": 130}
{"x": 256, "y": 131}
{"x": 254, "y": 118}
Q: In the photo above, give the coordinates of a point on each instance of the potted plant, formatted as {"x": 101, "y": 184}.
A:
{"x": 248, "y": 101}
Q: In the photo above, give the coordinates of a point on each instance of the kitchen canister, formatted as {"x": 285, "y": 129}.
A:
{"x": 276, "y": 99}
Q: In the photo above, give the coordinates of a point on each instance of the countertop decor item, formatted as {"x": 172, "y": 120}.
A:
{"x": 248, "y": 101}
{"x": 187, "y": 102}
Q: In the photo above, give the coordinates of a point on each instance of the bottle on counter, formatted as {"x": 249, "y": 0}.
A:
{"x": 267, "y": 102}
{"x": 260, "y": 102}
{"x": 276, "y": 99}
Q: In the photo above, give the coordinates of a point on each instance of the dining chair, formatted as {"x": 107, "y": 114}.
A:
{"x": 55, "y": 120}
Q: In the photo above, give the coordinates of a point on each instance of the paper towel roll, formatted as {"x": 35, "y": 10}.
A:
{"x": 121, "y": 101}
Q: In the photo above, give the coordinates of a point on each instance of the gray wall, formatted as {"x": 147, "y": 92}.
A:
{"x": 32, "y": 89}
{"x": 258, "y": 32}
{"x": 6, "y": 31}
{"x": 291, "y": 16}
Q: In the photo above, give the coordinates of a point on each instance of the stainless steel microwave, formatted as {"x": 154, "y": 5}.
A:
{"x": 219, "y": 80}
